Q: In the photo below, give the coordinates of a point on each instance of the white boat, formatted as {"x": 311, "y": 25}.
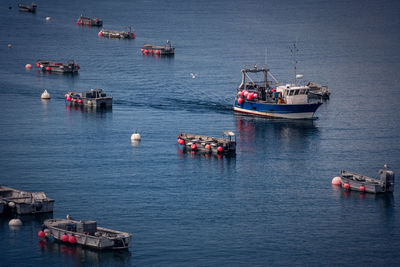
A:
{"x": 86, "y": 233}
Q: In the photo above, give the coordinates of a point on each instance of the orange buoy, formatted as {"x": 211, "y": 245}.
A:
{"x": 362, "y": 188}
{"x": 240, "y": 100}
{"x": 64, "y": 238}
{"x": 337, "y": 181}
{"x": 208, "y": 146}
{"x": 41, "y": 234}
{"x": 193, "y": 146}
{"x": 346, "y": 186}
{"x": 219, "y": 149}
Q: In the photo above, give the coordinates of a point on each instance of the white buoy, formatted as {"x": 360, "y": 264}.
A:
{"x": 45, "y": 95}
{"x": 11, "y": 204}
{"x": 9, "y": 45}
{"x": 193, "y": 75}
{"x": 15, "y": 222}
{"x": 28, "y": 66}
{"x": 135, "y": 137}
{"x": 337, "y": 181}
{"x": 48, "y": 18}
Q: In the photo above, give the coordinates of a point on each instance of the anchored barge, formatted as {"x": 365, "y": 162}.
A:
{"x": 118, "y": 34}
{"x": 85, "y": 233}
{"x": 70, "y": 67}
{"x": 27, "y": 8}
{"x": 91, "y": 98}
{"x": 89, "y": 21}
{"x": 21, "y": 202}
{"x": 359, "y": 182}
{"x": 206, "y": 144}
{"x": 166, "y": 50}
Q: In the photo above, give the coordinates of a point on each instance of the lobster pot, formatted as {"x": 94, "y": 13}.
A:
{"x": 87, "y": 227}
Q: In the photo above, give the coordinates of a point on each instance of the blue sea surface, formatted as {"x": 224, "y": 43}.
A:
{"x": 271, "y": 204}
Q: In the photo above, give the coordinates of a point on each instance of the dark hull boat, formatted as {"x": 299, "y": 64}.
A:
{"x": 85, "y": 233}
{"x": 89, "y": 21}
{"x": 205, "y": 144}
{"x": 117, "y": 34}
{"x": 91, "y": 98}
{"x": 358, "y": 182}
{"x": 27, "y": 8}
{"x": 70, "y": 67}
{"x": 166, "y": 50}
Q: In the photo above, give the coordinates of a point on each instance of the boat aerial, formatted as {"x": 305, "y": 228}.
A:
{"x": 20, "y": 202}
{"x": 27, "y": 8}
{"x": 85, "y": 233}
{"x": 91, "y": 98}
{"x": 118, "y": 34}
{"x": 359, "y": 182}
{"x": 70, "y": 67}
{"x": 166, "y": 50}
{"x": 89, "y": 21}
{"x": 206, "y": 144}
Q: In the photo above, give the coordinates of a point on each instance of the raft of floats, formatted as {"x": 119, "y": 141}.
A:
{"x": 91, "y": 98}
{"x": 117, "y": 34}
{"x": 70, "y": 67}
{"x": 89, "y": 21}
{"x": 84, "y": 233}
{"x": 205, "y": 144}
{"x": 27, "y": 8}
{"x": 166, "y": 50}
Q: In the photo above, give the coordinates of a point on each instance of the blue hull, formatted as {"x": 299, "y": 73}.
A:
{"x": 289, "y": 111}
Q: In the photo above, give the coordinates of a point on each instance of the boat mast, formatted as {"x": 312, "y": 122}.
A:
{"x": 294, "y": 50}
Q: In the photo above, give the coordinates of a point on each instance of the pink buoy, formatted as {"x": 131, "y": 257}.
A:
{"x": 64, "y": 238}
{"x": 48, "y": 68}
{"x": 100, "y": 34}
{"x": 68, "y": 98}
{"x": 77, "y": 23}
{"x": 142, "y": 50}
{"x": 158, "y": 52}
{"x": 28, "y": 66}
{"x": 346, "y": 186}
{"x": 240, "y": 100}
{"x": 240, "y": 93}
{"x": 249, "y": 96}
{"x": 41, "y": 234}
{"x": 193, "y": 146}
{"x": 37, "y": 64}
{"x": 245, "y": 93}
{"x": 273, "y": 90}
{"x": 219, "y": 149}
{"x": 72, "y": 239}
{"x": 337, "y": 181}
{"x": 362, "y": 188}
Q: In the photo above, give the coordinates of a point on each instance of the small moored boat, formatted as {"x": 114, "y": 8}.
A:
{"x": 91, "y": 98}
{"x": 206, "y": 144}
{"x": 70, "y": 67}
{"x": 89, "y": 21}
{"x": 359, "y": 182}
{"x": 117, "y": 34}
{"x": 317, "y": 90}
{"x": 166, "y": 50}
{"x": 21, "y": 202}
{"x": 27, "y": 8}
{"x": 86, "y": 233}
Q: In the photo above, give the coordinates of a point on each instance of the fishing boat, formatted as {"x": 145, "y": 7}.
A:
{"x": 27, "y": 8}
{"x": 57, "y": 67}
{"x": 206, "y": 144}
{"x": 118, "y": 34}
{"x": 89, "y": 21}
{"x": 359, "y": 182}
{"x": 91, "y": 98}
{"x": 85, "y": 233}
{"x": 166, "y": 50}
{"x": 21, "y": 202}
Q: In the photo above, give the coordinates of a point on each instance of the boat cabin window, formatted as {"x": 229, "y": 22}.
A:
{"x": 302, "y": 91}
{"x": 291, "y": 92}
{"x": 296, "y": 92}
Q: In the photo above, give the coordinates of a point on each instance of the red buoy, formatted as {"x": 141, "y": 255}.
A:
{"x": 273, "y": 90}
{"x": 133, "y": 35}
{"x": 77, "y": 23}
{"x": 142, "y": 50}
{"x": 240, "y": 93}
{"x": 346, "y": 186}
{"x": 158, "y": 52}
{"x": 249, "y": 96}
{"x": 208, "y": 147}
{"x": 37, "y": 64}
{"x": 41, "y": 234}
{"x": 28, "y": 66}
{"x": 337, "y": 181}
{"x": 240, "y": 100}
{"x": 146, "y": 51}
{"x": 245, "y": 93}
{"x": 80, "y": 101}
{"x": 219, "y": 149}
{"x": 64, "y": 238}
{"x": 72, "y": 239}
{"x": 79, "y": 67}
{"x": 151, "y": 51}
{"x": 100, "y": 34}
{"x": 88, "y": 23}
{"x": 48, "y": 68}
{"x": 75, "y": 100}
{"x": 362, "y": 188}
{"x": 181, "y": 141}
{"x": 255, "y": 95}
{"x": 68, "y": 98}
{"x": 193, "y": 146}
